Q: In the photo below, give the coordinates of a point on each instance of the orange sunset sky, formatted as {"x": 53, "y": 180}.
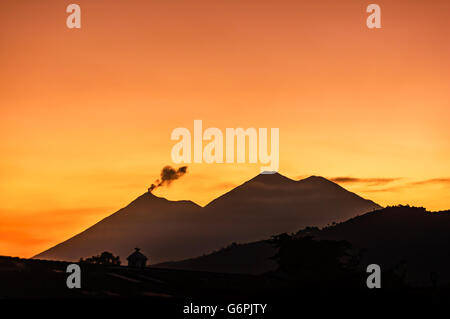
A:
{"x": 86, "y": 115}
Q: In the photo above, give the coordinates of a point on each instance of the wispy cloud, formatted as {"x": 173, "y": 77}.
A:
{"x": 432, "y": 181}
{"x": 384, "y": 189}
{"x": 375, "y": 184}
{"x": 372, "y": 181}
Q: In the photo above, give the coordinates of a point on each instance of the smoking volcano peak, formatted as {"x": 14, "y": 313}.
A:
{"x": 168, "y": 175}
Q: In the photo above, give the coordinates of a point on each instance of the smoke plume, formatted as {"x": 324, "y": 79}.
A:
{"x": 168, "y": 175}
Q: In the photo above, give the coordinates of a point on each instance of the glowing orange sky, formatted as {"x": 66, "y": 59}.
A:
{"x": 86, "y": 115}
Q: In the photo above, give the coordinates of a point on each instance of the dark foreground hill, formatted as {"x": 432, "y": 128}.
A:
{"x": 166, "y": 293}
{"x": 250, "y": 258}
{"x": 174, "y": 230}
{"x": 30, "y": 278}
{"x": 412, "y": 241}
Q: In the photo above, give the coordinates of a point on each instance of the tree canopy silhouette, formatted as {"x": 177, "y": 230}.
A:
{"x": 105, "y": 258}
{"x": 309, "y": 259}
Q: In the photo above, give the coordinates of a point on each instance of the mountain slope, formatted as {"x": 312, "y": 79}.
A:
{"x": 408, "y": 238}
{"x": 250, "y": 258}
{"x": 144, "y": 223}
{"x": 168, "y": 230}
{"x": 273, "y": 204}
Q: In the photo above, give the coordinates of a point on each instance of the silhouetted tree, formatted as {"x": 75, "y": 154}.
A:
{"x": 105, "y": 258}
{"x": 306, "y": 258}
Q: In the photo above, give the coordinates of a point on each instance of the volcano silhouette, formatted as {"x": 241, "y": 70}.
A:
{"x": 173, "y": 230}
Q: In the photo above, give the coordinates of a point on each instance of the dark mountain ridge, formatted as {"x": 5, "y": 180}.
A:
{"x": 402, "y": 238}
{"x": 175, "y": 230}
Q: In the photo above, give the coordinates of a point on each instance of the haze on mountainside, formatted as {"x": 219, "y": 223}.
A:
{"x": 174, "y": 230}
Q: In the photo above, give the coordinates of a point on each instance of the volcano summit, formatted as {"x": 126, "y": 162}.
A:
{"x": 174, "y": 230}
